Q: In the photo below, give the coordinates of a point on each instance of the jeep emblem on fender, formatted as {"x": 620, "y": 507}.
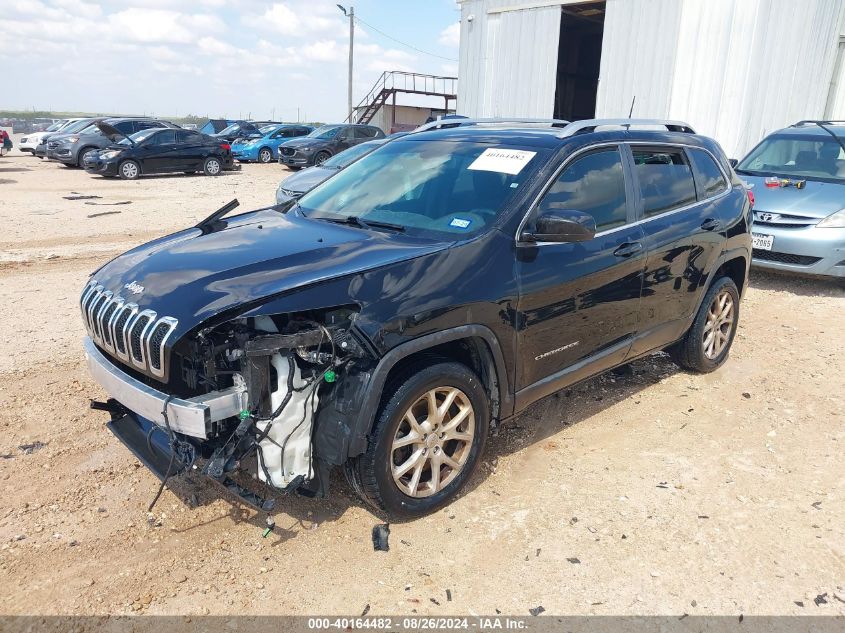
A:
{"x": 134, "y": 287}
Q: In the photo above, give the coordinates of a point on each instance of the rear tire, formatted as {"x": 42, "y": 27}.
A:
{"x": 129, "y": 170}
{"x": 706, "y": 345}
{"x": 412, "y": 437}
{"x": 265, "y": 155}
{"x": 212, "y": 166}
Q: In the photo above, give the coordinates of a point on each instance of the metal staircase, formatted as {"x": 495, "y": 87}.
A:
{"x": 395, "y": 81}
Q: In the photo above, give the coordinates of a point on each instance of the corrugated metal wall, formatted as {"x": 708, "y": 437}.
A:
{"x": 734, "y": 69}
{"x": 739, "y": 70}
{"x": 501, "y": 75}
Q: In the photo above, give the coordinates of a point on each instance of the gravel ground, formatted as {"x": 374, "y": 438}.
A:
{"x": 657, "y": 492}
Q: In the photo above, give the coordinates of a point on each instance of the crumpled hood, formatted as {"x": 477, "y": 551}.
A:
{"x": 815, "y": 200}
{"x": 193, "y": 276}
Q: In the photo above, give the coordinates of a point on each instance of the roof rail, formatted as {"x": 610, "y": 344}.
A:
{"x": 817, "y": 122}
{"x": 590, "y": 125}
{"x": 442, "y": 123}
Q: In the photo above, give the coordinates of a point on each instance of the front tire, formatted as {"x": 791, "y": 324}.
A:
{"x": 321, "y": 157}
{"x": 80, "y": 161}
{"x": 426, "y": 442}
{"x": 129, "y": 170}
{"x": 706, "y": 345}
{"x": 212, "y": 166}
{"x": 265, "y": 155}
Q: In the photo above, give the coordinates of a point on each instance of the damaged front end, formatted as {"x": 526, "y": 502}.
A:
{"x": 241, "y": 397}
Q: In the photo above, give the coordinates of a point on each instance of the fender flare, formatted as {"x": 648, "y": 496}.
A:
{"x": 375, "y": 386}
{"x": 725, "y": 256}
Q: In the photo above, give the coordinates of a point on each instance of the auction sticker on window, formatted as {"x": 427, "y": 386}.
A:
{"x": 503, "y": 161}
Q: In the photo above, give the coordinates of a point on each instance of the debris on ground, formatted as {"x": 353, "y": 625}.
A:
{"x": 109, "y": 204}
{"x": 448, "y": 595}
{"x": 29, "y": 449}
{"x": 820, "y": 599}
{"x": 574, "y": 561}
{"x": 536, "y": 610}
{"x": 97, "y": 215}
{"x": 746, "y": 395}
{"x": 381, "y": 532}
{"x": 434, "y": 601}
{"x": 799, "y": 603}
{"x": 366, "y": 610}
{"x": 81, "y": 197}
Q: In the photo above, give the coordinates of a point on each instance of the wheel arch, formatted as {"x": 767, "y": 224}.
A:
{"x": 473, "y": 345}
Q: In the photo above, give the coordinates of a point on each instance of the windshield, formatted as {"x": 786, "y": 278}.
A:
{"x": 326, "y": 131}
{"x": 79, "y": 125}
{"x": 232, "y": 129}
{"x": 810, "y": 156}
{"x": 266, "y": 129}
{"x": 349, "y": 156}
{"x": 442, "y": 187}
{"x": 138, "y": 137}
{"x": 56, "y": 126}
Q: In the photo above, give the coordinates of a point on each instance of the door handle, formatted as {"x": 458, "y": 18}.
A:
{"x": 711, "y": 224}
{"x": 628, "y": 248}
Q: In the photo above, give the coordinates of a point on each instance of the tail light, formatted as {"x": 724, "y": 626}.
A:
{"x": 750, "y": 197}
{"x": 225, "y": 146}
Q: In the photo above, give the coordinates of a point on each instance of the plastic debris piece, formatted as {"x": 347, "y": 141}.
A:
{"x": 381, "y": 533}
{"x": 536, "y": 610}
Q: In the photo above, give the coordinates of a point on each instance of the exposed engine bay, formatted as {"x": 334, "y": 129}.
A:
{"x": 277, "y": 369}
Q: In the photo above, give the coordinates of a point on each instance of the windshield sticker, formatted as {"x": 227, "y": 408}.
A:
{"x": 460, "y": 223}
{"x": 503, "y": 161}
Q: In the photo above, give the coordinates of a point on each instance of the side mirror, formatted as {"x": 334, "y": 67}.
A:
{"x": 734, "y": 162}
{"x": 561, "y": 225}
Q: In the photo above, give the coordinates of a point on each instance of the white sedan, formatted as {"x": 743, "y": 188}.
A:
{"x": 30, "y": 141}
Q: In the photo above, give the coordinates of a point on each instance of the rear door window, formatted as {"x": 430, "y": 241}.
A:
{"x": 187, "y": 137}
{"x": 593, "y": 184}
{"x": 665, "y": 177}
{"x": 365, "y": 132}
{"x": 711, "y": 180}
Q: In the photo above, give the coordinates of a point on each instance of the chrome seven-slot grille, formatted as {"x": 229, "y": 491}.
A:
{"x": 135, "y": 336}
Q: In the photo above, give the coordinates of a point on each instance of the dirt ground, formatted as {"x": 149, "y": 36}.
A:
{"x": 659, "y": 492}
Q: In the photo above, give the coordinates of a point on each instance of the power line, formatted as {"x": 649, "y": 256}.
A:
{"x": 390, "y": 37}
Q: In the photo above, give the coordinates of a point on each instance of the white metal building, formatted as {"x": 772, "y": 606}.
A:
{"x": 734, "y": 69}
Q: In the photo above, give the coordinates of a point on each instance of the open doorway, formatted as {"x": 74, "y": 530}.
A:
{"x": 579, "y": 60}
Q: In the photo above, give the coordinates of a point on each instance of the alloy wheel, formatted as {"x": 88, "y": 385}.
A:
{"x": 717, "y": 327}
{"x": 213, "y": 167}
{"x": 433, "y": 441}
{"x": 265, "y": 156}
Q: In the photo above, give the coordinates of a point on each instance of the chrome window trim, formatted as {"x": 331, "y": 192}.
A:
{"x": 619, "y": 144}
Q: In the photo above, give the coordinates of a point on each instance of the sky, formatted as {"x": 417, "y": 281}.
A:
{"x": 233, "y": 58}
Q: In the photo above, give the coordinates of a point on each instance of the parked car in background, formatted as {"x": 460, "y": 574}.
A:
{"x": 71, "y": 149}
{"x": 304, "y": 181}
{"x": 798, "y": 180}
{"x": 30, "y": 142}
{"x": 325, "y": 142}
{"x": 263, "y": 145}
{"x": 428, "y": 292}
{"x": 76, "y": 126}
{"x": 157, "y": 151}
{"x": 242, "y": 129}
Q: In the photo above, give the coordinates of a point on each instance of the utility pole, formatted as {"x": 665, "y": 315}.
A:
{"x": 351, "y": 15}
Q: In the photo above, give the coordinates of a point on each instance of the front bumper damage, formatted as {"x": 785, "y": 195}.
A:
{"x": 262, "y": 425}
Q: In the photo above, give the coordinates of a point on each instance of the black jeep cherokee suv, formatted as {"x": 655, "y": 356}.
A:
{"x": 440, "y": 285}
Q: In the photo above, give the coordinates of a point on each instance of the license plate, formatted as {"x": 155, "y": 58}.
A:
{"x": 762, "y": 242}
